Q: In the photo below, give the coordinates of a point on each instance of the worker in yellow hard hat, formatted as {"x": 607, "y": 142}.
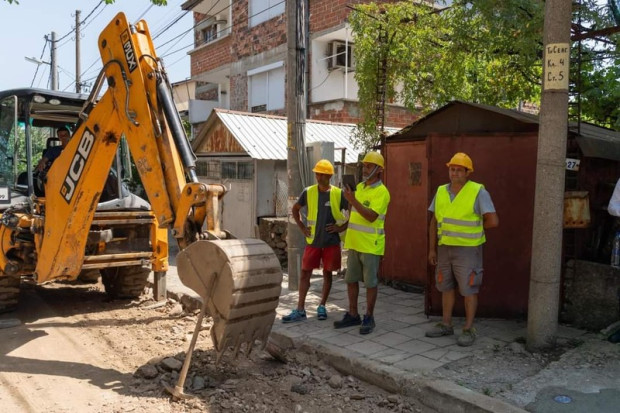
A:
{"x": 324, "y": 222}
{"x": 462, "y": 211}
{"x": 365, "y": 241}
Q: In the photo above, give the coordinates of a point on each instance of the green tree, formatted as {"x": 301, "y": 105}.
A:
{"x": 481, "y": 51}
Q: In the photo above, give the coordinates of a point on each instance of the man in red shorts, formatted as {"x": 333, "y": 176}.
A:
{"x": 324, "y": 203}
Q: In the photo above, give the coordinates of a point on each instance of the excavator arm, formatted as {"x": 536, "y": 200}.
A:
{"x": 238, "y": 280}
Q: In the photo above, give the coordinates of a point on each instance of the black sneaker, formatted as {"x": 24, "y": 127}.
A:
{"x": 367, "y": 325}
{"x": 348, "y": 321}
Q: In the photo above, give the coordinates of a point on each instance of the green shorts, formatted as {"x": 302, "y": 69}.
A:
{"x": 364, "y": 267}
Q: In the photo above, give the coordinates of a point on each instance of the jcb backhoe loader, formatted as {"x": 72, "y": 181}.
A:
{"x": 79, "y": 217}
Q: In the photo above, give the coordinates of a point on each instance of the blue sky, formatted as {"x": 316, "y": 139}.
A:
{"x": 24, "y": 26}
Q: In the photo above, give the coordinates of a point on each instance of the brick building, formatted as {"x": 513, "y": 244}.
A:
{"x": 239, "y": 60}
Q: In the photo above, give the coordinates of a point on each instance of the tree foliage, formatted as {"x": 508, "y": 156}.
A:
{"x": 483, "y": 51}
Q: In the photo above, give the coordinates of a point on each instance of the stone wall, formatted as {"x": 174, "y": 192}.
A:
{"x": 273, "y": 232}
{"x": 591, "y": 295}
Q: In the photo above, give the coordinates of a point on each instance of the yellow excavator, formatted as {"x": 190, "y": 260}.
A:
{"x": 76, "y": 217}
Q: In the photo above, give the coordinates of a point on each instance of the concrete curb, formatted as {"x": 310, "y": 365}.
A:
{"x": 441, "y": 395}
{"x": 445, "y": 396}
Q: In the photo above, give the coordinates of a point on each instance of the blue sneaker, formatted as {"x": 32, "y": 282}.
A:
{"x": 368, "y": 324}
{"x": 321, "y": 312}
{"x": 294, "y": 316}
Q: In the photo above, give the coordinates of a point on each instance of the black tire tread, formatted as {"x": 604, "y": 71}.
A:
{"x": 125, "y": 282}
{"x": 9, "y": 292}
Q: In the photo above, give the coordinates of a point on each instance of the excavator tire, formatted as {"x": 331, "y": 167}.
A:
{"x": 9, "y": 292}
{"x": 125, "y": 282}
{"x": 89, "y": 276}
{"x": 239, "y": 280}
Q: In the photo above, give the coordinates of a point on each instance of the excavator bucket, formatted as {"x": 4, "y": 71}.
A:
{"x": 239, "y": 282}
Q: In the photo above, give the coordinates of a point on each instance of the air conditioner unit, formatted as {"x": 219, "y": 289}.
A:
{"x": 340, "y": 56}
{"x": 222, "y": 27}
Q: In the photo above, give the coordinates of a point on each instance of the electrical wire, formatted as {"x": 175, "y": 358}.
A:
{"x": 226, "y": 28}
{"x": 80, "y": 23}
{"x": 144, "y": 12}
{"x": 207, "y": 13}
{"x": 36, "y": 71}
{"x": 172, "y": 23}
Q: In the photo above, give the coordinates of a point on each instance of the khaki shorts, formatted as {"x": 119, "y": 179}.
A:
{"x": 362, "y": 267}
{"x": 459, "y": 265}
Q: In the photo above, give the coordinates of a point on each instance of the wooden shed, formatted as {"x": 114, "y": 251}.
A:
{"x": 503, "y": 146}
{"x": 246, "y": 152}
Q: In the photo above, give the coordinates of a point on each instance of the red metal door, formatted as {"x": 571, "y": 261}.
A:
{"x": 506, "y": 166}
{"x": 406, "y": 222}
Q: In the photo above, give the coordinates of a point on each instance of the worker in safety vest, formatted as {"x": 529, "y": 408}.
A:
{"x": 462, "y": 210}
{"x": 325, "y": 221}
{"x": 365, "y": 241}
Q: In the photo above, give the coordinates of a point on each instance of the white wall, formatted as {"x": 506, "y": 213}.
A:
{"x": 265, "y": 188}
{"x": 328, "y": 84}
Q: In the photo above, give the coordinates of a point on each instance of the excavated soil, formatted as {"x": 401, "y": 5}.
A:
{"x": 75, "y": 350}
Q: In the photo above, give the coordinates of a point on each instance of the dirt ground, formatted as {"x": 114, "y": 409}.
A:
{"x": 74, "y": 351}
{"x": 497, "y": 370}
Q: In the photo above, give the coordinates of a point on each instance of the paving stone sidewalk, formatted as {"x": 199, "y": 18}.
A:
{"x": 398, "y": 338}
{"x": 398, "y": 357}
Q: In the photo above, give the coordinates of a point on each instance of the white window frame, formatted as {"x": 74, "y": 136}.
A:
{"x": 262, "y": 10}
{"x": 269, "y": 88}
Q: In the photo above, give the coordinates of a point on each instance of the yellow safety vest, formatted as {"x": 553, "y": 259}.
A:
{"x": 362, "y": 235}
{"x": 312, "y": 202}
{"x": 457, "y": 223}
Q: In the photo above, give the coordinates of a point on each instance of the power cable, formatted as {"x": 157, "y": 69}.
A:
{"x": 82, "y": 22}
{"x": 144, "y": 12}
{"x": 170, "y": 25}
{"x": 228, "y": 27}
{"x": 138, "y": 19}
{"x": 36, "y": 71}
{"x": 94, "y": 18}
{"x": 196, "y": 25}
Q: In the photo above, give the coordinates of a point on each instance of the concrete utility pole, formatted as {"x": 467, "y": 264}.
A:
{"x": 296, "y": 114}
{"x": 546, "y": 269}
{"x": 78, "y": 81}
{"x": 53, "y": 67}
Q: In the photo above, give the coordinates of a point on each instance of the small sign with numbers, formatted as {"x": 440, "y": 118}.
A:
{"x": 5, "y": 195}
{"x": 572, "y": 164}
{"x": 556, "y": 66}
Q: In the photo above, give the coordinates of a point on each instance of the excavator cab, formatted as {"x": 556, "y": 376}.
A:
{"x": 29, "y": 119}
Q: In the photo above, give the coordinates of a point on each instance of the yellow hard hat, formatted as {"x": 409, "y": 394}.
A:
{"x": 374, "y": 157}
{"x": 461, "y": 159}
{"x": 324, "y": 167}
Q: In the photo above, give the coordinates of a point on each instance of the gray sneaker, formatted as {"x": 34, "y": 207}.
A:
{"x": 467, "y": 338}
{"x": 440, "y": 330}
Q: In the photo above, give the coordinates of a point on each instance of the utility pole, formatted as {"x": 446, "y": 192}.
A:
{"x": 546, "y": 269}
{"x": 296, "y": 122}
{"x": 53, "y": 67}
{"x": 78, "y": 86}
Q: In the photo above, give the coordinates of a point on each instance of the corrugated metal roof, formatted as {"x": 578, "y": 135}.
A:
{"x": 597, "y": 142}
{"x": 264, "y": 136}
{"x": 594, "y": 141}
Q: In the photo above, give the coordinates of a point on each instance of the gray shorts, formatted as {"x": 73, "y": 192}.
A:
{"x": 364, "y": 267}
{"x": 463, "y": 264}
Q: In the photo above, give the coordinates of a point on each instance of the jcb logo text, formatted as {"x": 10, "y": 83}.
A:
{"x": 77, "y": 165}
